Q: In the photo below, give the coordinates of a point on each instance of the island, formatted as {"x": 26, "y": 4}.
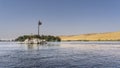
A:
{"x": 37, "y": 39}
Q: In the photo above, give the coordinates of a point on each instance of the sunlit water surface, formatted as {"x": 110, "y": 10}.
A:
{"x": 60, "y": 55}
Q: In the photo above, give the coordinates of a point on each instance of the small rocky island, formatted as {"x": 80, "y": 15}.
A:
{"x": 36, "y": 39}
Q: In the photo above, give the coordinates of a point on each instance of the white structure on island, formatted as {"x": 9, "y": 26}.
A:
{"x": 34, "y": 41}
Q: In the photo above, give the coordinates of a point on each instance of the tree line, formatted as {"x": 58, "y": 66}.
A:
{"x": 48, "y": 38}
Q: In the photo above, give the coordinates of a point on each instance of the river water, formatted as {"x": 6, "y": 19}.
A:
{"x": 60, "y": 55}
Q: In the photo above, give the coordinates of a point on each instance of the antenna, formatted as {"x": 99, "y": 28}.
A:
{"x": 39, "y": 23}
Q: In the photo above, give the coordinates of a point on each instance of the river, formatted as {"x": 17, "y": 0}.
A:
{"x": 60, "y": 55}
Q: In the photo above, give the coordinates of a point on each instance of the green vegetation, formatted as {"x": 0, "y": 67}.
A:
{"x": 48, "y": 38}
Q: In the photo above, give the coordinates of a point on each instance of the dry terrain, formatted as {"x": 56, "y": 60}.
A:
{"x": 108, "y": 36}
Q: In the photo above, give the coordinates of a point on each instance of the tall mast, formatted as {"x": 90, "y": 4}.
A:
{"x": 39, "y": 23}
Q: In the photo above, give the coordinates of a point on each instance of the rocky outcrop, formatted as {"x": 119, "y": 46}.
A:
{"x": 34, "y": 41}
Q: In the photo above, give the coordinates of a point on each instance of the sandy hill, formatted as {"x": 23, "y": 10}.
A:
{"x": 93, "y": 36}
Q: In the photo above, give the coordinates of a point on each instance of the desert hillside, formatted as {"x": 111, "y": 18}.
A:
{"x": 93, "y": 36}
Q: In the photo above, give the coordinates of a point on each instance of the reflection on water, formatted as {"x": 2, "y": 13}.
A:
{"x": 32, "y": 46}
{"x": 60, "y": 55}
{"x": 39, "y": 46}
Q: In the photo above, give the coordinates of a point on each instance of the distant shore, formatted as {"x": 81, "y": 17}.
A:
{"x": 90, "y": 40}
{"x": 108, "y": 36}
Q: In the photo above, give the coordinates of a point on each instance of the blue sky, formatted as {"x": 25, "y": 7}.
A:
{"x": 59, "y": 17}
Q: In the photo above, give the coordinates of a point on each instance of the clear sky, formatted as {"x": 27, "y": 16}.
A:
{"x": 59, "y": 17}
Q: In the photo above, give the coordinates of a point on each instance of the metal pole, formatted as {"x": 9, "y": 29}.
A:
{"x": 39, "y": 23}
{"x": 38, "y": 30}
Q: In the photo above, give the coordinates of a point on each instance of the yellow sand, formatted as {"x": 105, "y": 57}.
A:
{"x": 93, "y": 37}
